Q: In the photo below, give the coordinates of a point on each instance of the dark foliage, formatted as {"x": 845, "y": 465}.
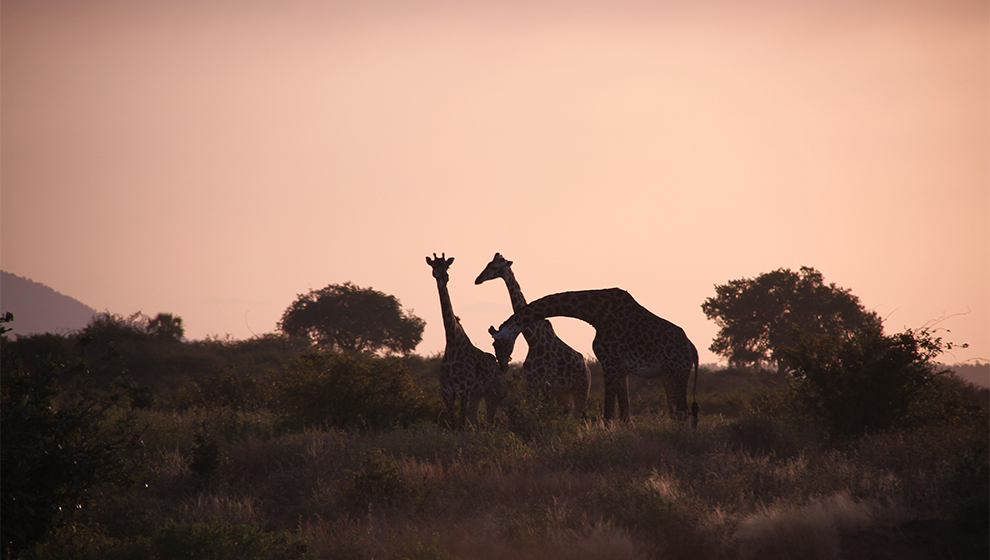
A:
{"x": 224, "y": 388}
{"x": 377, "y": 482}
{"x": 146, "y": 352}
{"x": 215, "y": 540}
{"x": 758, "y": 317}
{"x": 347, "y": 318}
{"x": 149, "y": 363}
{"x": 866, "y": 383}
{"x": 51, "y": 455}
{"x": 207, "y": 453}
{"x": 350, "y": 392}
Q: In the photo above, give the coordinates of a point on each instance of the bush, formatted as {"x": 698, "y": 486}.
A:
{"x": 51, "y": 456}
{"x": 866, "y": 383}
{"x": 760, "y": 436}
{"x": 350, "y": 392}
{"x": 377, "y": 481}
{"x": 225, "y": 388}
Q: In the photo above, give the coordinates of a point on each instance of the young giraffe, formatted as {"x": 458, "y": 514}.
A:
{"x": 552, "y": 367}
{"x": 467, "y": 373}
{"x": 628, "y": 339}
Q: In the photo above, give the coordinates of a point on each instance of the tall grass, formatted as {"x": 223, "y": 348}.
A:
{"x": 750, "y": 482}
{"x": 734, "y": 488}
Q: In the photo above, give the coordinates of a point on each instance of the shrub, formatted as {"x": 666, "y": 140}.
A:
{"x": 533, "y": 416}
{"x": 866, "y": 383}
{"x": 350, "y": 392}
{"x": 377, "y": 481}
{"x": 50, "y": 457}
{"x": 207, "y": 453}
{"x": 224, "y": 388}
{"x": 761, "y": 436}
{"x": 656, "y": 510}
{"x": 412, "y": 548}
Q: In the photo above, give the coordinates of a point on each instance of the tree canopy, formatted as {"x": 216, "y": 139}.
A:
{"x": 166, "y": 326}
{"x": 353, "y": 320}
{"x": 760, "y": 317}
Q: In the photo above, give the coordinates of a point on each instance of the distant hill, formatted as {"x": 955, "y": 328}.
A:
{"x": 40, "y": 309}
{"x": 977, "y": 374}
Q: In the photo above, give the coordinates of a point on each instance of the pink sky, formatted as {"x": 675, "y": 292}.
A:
{"x": 215, "y": 159}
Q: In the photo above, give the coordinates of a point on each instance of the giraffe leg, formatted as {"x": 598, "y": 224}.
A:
{"x": 623, "y": 397}
{"x": 492, "y": 404}
{"x": 612, "y": 389}
{"x": 581, "y": 390}
{"x": 450, "y": 403}
{"x": 676, "y": 388}
{"x": 463, "y": 417}
{"x": 471, "y": 405}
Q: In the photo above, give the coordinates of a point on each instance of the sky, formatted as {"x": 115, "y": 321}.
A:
{"x": 215, "y": 159}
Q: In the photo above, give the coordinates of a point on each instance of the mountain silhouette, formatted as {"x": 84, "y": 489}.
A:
{"x": 40, "y": 309}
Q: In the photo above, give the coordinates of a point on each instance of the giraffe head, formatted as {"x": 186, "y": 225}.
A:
{"x": 440, "y": 265}
{"x": 504, "y": 342}
{"x": 495, "y": 269}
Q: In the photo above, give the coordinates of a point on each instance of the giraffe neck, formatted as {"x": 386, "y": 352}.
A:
{"x": 518, "y": 303}
{"x": 451, "y": 326}
{"x": 590, "y": 306}
{"x": 515, "y": 292}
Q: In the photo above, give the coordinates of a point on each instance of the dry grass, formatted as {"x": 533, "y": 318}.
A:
{"x": 808, "y": 532}
{"x": 653, "y": 490}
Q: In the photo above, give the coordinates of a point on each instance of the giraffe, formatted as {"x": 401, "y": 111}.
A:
{"x": 467, "y": 373}
{"x": 628, "y": 339}
{"x": 552, "y": 367}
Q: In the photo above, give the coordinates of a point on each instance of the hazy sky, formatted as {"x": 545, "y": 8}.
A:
{"x": 215, "y": 159}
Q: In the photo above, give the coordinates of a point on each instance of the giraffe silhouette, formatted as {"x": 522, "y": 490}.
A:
{"x": 552, "y": 368}
{"x": 628, "y": 339}
{"x": 468, "y": 374}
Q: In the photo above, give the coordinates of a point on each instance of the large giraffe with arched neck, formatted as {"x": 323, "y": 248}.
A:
{"x": 552, "y": 368}
{"x": 467, "y": 373}
{"x": 628, "y": 339}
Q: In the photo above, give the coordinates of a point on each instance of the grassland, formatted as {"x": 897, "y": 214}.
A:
{"x": 749, "y": 483}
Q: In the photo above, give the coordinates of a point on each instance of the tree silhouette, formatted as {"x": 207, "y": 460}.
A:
{"x": 759, "y": 317}
{"x": 353, "y": 320}
{"x": 166, "y": 326}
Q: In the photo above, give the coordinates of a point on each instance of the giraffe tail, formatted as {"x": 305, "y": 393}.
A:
{"x": 694, "y": 405}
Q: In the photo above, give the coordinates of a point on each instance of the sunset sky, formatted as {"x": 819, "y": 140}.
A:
{"x": 215, "y": 159}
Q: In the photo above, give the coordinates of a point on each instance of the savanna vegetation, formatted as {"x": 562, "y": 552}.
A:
{"x": 126, "y": 441}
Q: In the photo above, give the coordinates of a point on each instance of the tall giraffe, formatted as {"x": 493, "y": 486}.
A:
{"x": 552, "y": 367}
{"x": 467, "y": 373}
{"x": 628, "y": 339}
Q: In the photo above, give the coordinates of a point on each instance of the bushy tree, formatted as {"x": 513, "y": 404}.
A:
{"x": 867, "y": 382}
{"x": 353, "y": 320}
{"x": 758, "y": 317}
{"x": 50, "y": 456}
{"x": 138, "y": 350}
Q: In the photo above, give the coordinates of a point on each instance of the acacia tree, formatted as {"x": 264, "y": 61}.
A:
{"x": 759, "y": 318}
{"x": 353, "y": 320}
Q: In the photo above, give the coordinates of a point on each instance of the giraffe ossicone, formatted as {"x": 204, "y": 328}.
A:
{"x": 629, "y": 339}
{"x": 551, "y": 368}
